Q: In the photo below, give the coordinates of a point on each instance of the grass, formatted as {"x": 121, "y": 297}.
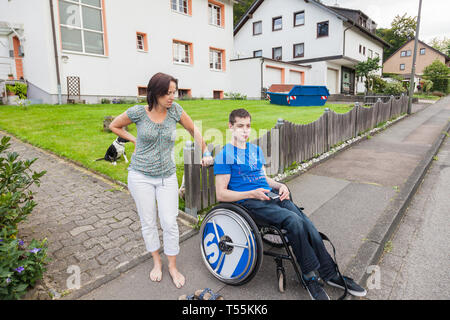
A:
{"x": 426, "y": 96}
{"x": 76, "y": 131}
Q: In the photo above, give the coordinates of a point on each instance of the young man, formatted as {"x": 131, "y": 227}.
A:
{"x": 241, "y": 178}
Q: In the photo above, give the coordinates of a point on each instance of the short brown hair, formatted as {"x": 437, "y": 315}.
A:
{"x": 238, "y": 113}
{"x": 158, "y": 86}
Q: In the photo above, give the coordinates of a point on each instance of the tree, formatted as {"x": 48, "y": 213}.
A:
{"x": 441, "y": 45}
{"x": 240, "y": 9}
{"x": 402, "y": 29}
{"x": 439, "y": 73}
{"x": 366, "y": 68}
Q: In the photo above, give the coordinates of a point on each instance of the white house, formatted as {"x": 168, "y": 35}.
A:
{"x": 330, "y": 40}
{"x": 115, "y": 46}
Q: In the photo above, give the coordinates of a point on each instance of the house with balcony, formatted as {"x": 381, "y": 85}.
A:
{"x": 110, "y": 49}
{"x": 327, "y": 41}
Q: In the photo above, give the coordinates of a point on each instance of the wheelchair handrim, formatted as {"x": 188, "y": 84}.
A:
{"x": 217, "y": 269}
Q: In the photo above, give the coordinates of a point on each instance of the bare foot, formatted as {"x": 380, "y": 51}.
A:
{"x": 156, "y": 273}
{"x": 177, "y": 278}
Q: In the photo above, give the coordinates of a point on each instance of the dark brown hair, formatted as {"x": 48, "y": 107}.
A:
{"x": 238, "y": 113}
{"x": 158, "y": 86}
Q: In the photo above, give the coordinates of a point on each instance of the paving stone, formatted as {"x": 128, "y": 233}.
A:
{"x": 76, "y": 231}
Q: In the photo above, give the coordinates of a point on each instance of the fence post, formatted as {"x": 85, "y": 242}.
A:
{"x": 281, "y": 161}
{"x": 188, "y": 153}
{"x": 356, "y": 118}
{"x": 327, "y": 138}
{"x": 390, "y": 106}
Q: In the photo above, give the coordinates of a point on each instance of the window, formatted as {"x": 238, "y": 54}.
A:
{"x": 299, "y": 50}
{"x": 360, "y": 48}
{"x": 408, "y": 53}
{"x": 277, "y": 53}
{"x": 182, "y": 52}
{"x": 299, "y": 18}
{"x": 422, "y": 51}
{"x": 142, "y": 91}
{"x": 364, "y": 50}
{"x": 141, "y": 41}
{"x": 377, "y": 55}
{"x": 277, "y": 23}
{"x": 257, "y": 53}
{"x": 215, "y": 14}
{"x": 402, "y": 66}
{"x": 403, "y": 54}
{"x": 216, "y": 59}
{"x": 217, "y": 94}
{"x": 81, "y": 26}
{"x": 184, "y": 93}
{"x": 257, "y": 28}
{"x": 182, "y": 6}
{"x": 370, "y": 54}
{"x": 322, "y": 29}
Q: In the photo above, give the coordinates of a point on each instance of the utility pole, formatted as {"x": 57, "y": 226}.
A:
{"x": 413, "y": 68}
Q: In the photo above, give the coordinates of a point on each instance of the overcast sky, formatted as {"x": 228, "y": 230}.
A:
{"x": 434, "y": 21}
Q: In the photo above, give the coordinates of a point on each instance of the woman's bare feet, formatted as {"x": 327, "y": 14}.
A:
{"x": 156, "y": 273}
{"x": 177, "y": 278}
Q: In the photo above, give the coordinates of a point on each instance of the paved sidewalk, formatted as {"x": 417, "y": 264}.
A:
{"x": 357, "y": 198}
{"x": 89, "y": 222}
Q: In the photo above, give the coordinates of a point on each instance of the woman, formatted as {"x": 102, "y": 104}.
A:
{"x": 152, "y": 171}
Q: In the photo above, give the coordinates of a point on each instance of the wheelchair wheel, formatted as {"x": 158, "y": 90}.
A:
{"x": 281, "y": 276}
{"x": 231, "y": 245}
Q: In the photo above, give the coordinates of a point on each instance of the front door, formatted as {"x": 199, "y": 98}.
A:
{"x": 348, "y": 81}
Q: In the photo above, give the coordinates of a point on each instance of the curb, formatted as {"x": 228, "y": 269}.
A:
{"x": 371, "y": 250}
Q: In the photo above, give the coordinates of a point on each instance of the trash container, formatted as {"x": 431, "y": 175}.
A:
{"x": 300, "y": 96}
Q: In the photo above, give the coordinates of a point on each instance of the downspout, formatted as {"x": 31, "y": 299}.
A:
{"x": 58, "y": 77}
{"x": 262, "y": 76}
{"x": 343, "y": 55}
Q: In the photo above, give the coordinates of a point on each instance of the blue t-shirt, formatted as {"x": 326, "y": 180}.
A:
{"x": 244, "y": 166}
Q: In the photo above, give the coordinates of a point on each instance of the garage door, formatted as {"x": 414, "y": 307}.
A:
{"x": 272, "y": 76}
{"x": 295, "y": 77}
{"x": 332, "y": 81}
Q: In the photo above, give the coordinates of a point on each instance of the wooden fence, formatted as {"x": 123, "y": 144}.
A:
{"x": 288, "y": 142}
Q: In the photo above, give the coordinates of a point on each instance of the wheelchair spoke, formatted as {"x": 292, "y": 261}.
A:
{"x": 220, "y": 262}
{"x": 236, "y": 245}
{"x": 215, "y": 230}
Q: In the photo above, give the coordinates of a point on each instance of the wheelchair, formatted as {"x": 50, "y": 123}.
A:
{"x": 232, "y": 246}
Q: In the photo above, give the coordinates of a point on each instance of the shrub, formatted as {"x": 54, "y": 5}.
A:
{"x": 439, "y": 73}
{"x": 235, "y": 96}
{"x": 19, "y": 267}
{"x": 19, "y": 89}
{"x": 394, "y": 88}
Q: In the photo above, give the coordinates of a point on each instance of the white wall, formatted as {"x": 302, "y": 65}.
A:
{"x": 38, "y": 63}
{"x": 245, "y": 42}
{"x": 354, "y": 38}
{"x": 247, "y": 75}
{"x": 125, "y": 68}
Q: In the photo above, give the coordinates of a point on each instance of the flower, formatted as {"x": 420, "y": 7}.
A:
{"x": 8, "y": 280}
{"x": 20, "y": 242}
{"x": 35, "y": 250}
{"x": 19, "y": 269}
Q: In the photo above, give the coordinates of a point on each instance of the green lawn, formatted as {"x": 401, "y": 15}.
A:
{"x": 76, "y": 131}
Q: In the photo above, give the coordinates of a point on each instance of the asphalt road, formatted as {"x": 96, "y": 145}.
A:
{"x": 416, "y": 261}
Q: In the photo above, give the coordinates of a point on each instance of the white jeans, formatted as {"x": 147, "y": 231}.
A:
{"x": 146, "y": 192}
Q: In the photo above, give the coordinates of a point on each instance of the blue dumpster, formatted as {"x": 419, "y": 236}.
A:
{"x": 300, "y": 96}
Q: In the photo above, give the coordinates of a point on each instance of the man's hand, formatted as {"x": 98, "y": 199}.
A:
{"x": 283, "y": 192}
{"x": 259, "y": 194}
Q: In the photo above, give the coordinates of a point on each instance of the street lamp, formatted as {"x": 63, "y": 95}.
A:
{"x": 413, "y": 69}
